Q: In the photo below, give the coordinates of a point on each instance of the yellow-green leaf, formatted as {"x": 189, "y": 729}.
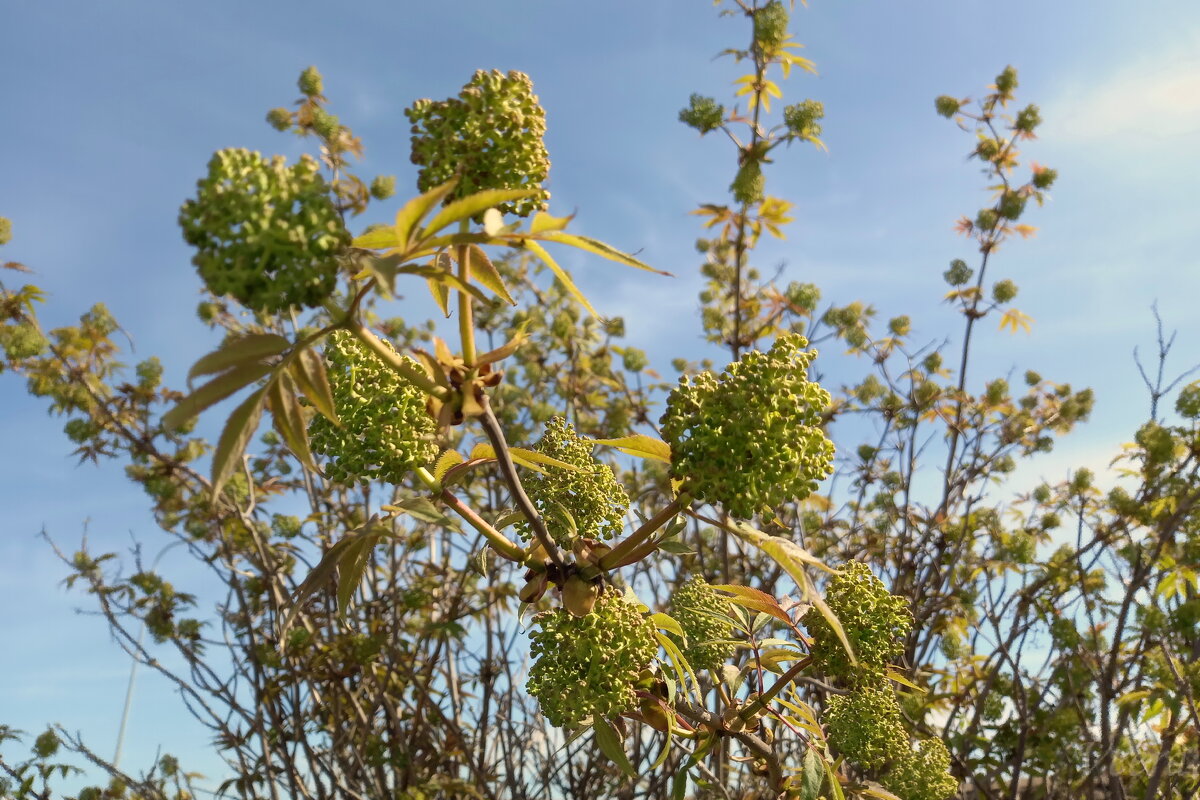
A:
{"x": 1014, "y": 319}
{"x": 250, "y": 348}
{"x": 485, "y": 271}
{"x": 610, "y": 743}
{"x": 599, "y": 248}
{"x": 563, "y": 276}
{"x": 408, "y": 217}
{"x": 237, "y": 432}
{"x": 505, "y": 350}
{"x": 471, "y": 205}
{"x": 641, "y": 446}
{"x": 288, "y": 418}
{"x": 667, "y": 623}
{"x": 448, "y": 459}
{"x": 544, "y": 222}
{"x": 441, "y": 294}
{"x": 526, "y": 458}
{"x": 308, "y": 370}
{"x": 213, "y": 392}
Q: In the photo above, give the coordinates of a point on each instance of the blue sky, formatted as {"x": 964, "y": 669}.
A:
{"x": 112, "y": 109}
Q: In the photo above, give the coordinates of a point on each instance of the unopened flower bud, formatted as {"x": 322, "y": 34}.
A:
{"x": 579, "y": 596}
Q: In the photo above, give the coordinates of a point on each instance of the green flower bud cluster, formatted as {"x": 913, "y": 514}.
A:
{"x": 1004, "y": 291}
{"x": 988, "y": 148}
{"x": 749, "y": 183}
{"x": 588, "y": 503}
{"x": 266, "y": 233}
{"x": 383, "y": 187}
{"x": 959, "y": 273}
{"x": 704, "y": 616}
{"x": 1006, "y": 81}
{"x": 703, "y": 113}
{"x": 1028, "y": 118}
{"x": 1012, "y": 205}
{"x": 5, "y": 230}
{"x": 1044, "y": 178}
{"x": 490, "y": 136}
{"x": 900, "y": 326}
{"x": 279, "y": 118}
{"x": 385, "y": 431}
{"x": 586, "y": 666}
{"x": 1157, "y": 443}
{"x": 311, "y": 83}
{"x": 947, "y": 106}
{"x": 634, "y": 360}
{"x": 803, "y": 295}
{"x": 874, "y": 621}
{"x": 923, "y": 774}
{"x": 324, "y": 124}
{"x": 770, "y": 25}
{"x": 804, "y": 119}
{"x": 987, "y": 219}
{"x": 21, "y": 341}
{"x": 865, "y": 726}
{"x": 751, "y": 438}
{"x": 1188, "y": 402}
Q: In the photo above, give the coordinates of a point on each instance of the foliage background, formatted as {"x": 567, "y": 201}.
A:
{"x": 117, "y": 107}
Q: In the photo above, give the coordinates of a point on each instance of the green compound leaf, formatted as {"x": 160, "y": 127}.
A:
{"x": 237, "y": 432}
{"x": 641, "y": 446}
{"x": 435, "y": 271}
{"x": 755, "y": 600}
{"x": 679, "y": 785}
{"x": 441, "y": 295}
{"x": 213, "y": 392}
{"x": 474, "y": 204}
{"x": 378, "y": 239}
{"x": 611, "y": 744}
{"x": 669, "y": 713}
{"x": 812, "y": 778}
{"x": 683, "y": 670}
{"x": 251, "y": 348}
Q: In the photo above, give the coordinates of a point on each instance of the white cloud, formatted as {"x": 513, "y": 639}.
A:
{"x": 1149, "y": 100}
